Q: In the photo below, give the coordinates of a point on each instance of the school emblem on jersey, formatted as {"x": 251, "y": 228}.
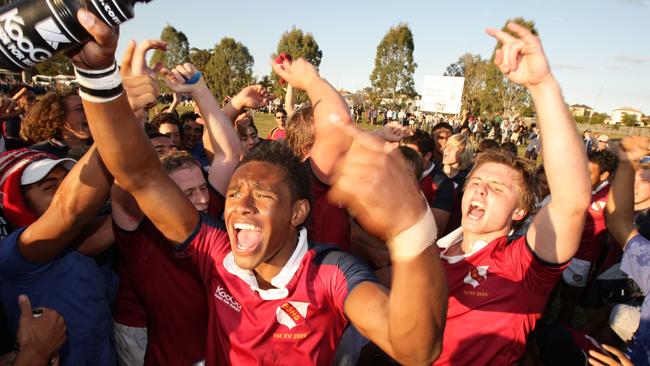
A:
{"x": 292, "y": 313}
{"x": 476, "y": 275}
{"x": 598, "y": 206}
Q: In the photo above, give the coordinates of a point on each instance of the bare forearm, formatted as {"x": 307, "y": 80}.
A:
{"x": 122, "y": 143}
{"x": 330, "y": 144}
{"x": 76, "y": 202}
{"x": 619, "y": 211}
{"x": 568, "y": 178}
{"x": 418, "y": 287}
{"x": 288, "y": 101}
{"x": 223, "y": 138}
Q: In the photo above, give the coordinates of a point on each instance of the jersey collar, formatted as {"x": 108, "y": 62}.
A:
{"x": 454, "y": 238}
{"x": 428, "y": 171}
{"x": 600, "y": 187}
{"x": 281, "y": 280}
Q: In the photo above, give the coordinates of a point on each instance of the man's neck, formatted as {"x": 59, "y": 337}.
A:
{"x": 469, "y": 239}
{"x": 451, "y": 169}
{"x": 266, "y": 271}
{"x": 642, "y": 206}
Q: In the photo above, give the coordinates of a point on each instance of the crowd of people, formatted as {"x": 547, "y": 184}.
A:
{"x": 136, "y": 237}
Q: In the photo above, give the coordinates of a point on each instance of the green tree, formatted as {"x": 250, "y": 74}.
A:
{"x": 229, "y": 69}
{"x": 57, "y": 65}
{"x": 394, "y": 64}
{"x": 630, "y": 119}
{"x": 501, "y": 96}
{"x": 178, "y": 48}
{"x": 199, "y": 57}
{"x": 597, "y": 118}
{"x": 298, "y": 44}
{"x": 473, "y": 69}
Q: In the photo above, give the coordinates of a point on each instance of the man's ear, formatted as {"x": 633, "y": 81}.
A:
{"x": 299, "y": 212}
{"x": 519, "y": 214}
{"x": 604, "y": 176}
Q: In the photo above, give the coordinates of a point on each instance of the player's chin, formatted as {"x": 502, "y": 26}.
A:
{"x": 247, "y": 262}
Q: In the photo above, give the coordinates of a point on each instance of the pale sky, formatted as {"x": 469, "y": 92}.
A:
{"x": 599, "y": 50}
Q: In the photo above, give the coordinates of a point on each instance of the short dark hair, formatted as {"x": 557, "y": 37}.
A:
{"x": 486, "y": 144}
{"x": 510, "y": 147}
{"x": 414, "y": 160}
{"x": 606, "y": 161}
{"x": 188, "y": 116}
{"x": 176, "y": 160}
{"x": 279, "y": 154}
{"x": 440, "y": 126}
{"x": 281, "y": 110}
{"x": 161, "y": 118}
{"x": 422, "y": 140}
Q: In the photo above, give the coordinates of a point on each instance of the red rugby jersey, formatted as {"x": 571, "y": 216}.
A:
{"x": 299, "y": 322}
{"x": 168, "y": 286}
{"x": 496, "y": 295}
{"x": 438, "y": 189}
{"x": 327, "y": 223}
{"x": 594, "y": 234}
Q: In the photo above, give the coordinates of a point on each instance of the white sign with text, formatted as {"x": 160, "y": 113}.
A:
{"x": 442, "y": 94}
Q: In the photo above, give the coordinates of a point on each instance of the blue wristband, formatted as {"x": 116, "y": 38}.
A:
{"x": 194, "y": 79}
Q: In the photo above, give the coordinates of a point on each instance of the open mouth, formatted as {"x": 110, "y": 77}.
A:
{"x": 476, "y": 210}
{"x": 248, "y": 236}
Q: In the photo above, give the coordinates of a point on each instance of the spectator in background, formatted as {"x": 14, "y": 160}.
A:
{"x": 535, "y": 144}
{"x": 169, "y": 124}
{"x": 57, "y": 124}
{"x": 486, "y": 145}
{"x": 588, "y": 140}
{"x": 602, "y": 166}
{"x": 602, "y": 143}
{"x": 636, "y": 258}
{"x": 279, "y": 132}
{"x": 248, "y": 136}
{"x": 457, "y": 163}
{"x": 440, "y": 134}
{"x": 192, "y": 137}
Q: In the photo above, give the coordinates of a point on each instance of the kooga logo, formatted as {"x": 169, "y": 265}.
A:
{"x": 222, "y": 295}
{"x": 23, "y": 49}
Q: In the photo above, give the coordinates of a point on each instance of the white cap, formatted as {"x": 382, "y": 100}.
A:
{"x": 38, "y": 169}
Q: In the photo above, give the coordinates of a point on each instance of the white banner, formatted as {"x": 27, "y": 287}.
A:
{"x": 442, "y": 94}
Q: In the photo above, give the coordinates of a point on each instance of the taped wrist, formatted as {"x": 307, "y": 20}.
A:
{"x": 99, "y": 86}
{"x": 411, "y": 242}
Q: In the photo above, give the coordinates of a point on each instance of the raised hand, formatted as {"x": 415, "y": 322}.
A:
{"x": 42, "y": 335}
{"x": 393, "y": 132}
{"x": 176, "y": 79}
{"x": 632, "y": 148}
{"x": 99, "y": 53}
{"x": 252, "y": 96}
{"x": 139, "y": 80}
{"x": 134, "y": 61}
{"x": 299, "y": 73}
{"x": 521, "y": 58}
{"x": 359, "y": 184}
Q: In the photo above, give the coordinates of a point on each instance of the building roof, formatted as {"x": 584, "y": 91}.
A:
{"x": 580, "y": 106}
{"x": 627, "y": 109}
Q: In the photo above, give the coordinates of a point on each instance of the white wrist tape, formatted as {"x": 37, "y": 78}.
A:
{"x": 414, "y": 240}
{"x": 99, "y": 86}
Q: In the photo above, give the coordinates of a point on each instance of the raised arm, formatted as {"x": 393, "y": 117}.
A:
{"x": 288, "y": 102}
{"x": 225, "y": 144}
{"x": 556, "y": 230}
{"x": 76, "y": 202}
{"x": 123, "y": 144}
{"x": 619, "y": 211}
{"x": 330, "y": 144}
{"x": 399, "y": 215}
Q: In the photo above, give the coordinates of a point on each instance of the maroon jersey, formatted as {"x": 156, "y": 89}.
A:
{"x": 277, "y": 134}
{"x": 496, "y": 295}
{"x": 438, "y": 189}
{"x": 168, "y": 286}
{"x": 298, "y": 322}
{"x": 327, "y": 222}
{"x": 594, "y": 234}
